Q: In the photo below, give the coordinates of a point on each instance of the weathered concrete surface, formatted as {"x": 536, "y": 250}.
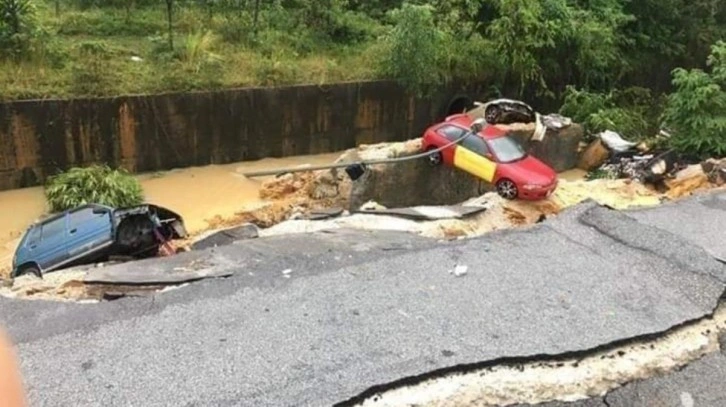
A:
{"x": 700, "y": 219}
{"x": 364, "y": 309}
{"x": 160, "y": 132}
{"x": 700, "y": 384}
{"x": 559, "y": 149}
{"x": 415, "y": 182}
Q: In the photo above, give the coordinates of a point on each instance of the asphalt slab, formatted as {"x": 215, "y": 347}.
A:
{"x": 319, "y": 319}
{"x": 701, "y": 219}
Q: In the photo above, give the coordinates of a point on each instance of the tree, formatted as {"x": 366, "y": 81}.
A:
{"x": 256, "y": 16}
{"x": 413, "y": 49}
{"x": 16, "y": 26}
{"x": 170, "y": 21}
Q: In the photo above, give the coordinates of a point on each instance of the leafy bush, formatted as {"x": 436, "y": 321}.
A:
{"x": 95, "y": 184}
{"x": 696, "y": 110}
{"x": 632, "y": 112}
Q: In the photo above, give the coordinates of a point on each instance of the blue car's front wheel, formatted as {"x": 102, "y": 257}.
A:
{"x": 29, "y": 269}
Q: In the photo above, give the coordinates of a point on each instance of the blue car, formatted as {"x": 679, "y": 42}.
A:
{"x": 92, "y": 233}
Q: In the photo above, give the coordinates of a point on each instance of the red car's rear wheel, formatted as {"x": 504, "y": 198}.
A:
{"x": 435, "y": 158}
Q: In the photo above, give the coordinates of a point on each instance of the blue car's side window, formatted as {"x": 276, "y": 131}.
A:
{"x": 33, "y": 237}
{"x": 82, "y": 216}
{"x": 53, "y": 228}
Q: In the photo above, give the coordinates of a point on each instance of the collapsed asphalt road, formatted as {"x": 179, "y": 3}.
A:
{"x": 321, "y": 319}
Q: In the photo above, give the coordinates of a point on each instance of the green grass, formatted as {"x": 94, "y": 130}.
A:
{"x": 208, "y": 54}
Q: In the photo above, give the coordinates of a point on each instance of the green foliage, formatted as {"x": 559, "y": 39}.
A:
{"x": 546, "y": 41}
{"x": 95, "y": 184}
{"x": 108, "y": 23}
{"x": 530, "y": 49}
{"x": 414, "y": 49}
{"x": 632, "y": 112}
{"x": 17, "y": 27}
{"x": 696, "y": 110}
{"x": 91, "y": 75}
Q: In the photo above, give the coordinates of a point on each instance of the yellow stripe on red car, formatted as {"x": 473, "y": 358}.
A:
{"x": 474, "y": 163}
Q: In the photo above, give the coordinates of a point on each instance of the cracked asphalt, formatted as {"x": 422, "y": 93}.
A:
{"x": 700, "y": 384}
{"x": 365, "y": 309}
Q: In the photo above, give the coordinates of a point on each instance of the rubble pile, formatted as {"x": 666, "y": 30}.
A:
{"x": 59, "y": 285}
{"x": 715, "y": 171}
{"x": 611, "y": 157}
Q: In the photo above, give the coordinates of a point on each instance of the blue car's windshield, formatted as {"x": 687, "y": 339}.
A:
{"x": 507, "y": 149}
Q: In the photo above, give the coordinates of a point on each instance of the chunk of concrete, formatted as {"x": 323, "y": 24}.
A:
{"x": 182, "y": 268}
{"x": 227, "y": 236}
{"x": 409, "y": 183}
{"x": 558, "y": 149}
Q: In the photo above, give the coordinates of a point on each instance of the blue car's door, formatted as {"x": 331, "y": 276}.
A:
{"x": 52, "y": 250}
{"x": 89, "y": 230}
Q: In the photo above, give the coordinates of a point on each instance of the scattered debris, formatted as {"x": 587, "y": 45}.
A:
{"x": 372, "y": 206}
{"x": 715, "y": 171}
{"x": 687, "y": 181}
{"x": 320, "y": 214}
{"x": 614, "y": 142}
{"x": 61, "y": 285}
{"x": 227, "y": 236}
{"x": 594, "y": 156}
{"x": 556, "y": 121}
{"x": 459, "y": 270}
{"x": 428, "y": 212}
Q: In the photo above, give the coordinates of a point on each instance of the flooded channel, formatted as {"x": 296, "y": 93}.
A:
{"x": 197, "y": 193}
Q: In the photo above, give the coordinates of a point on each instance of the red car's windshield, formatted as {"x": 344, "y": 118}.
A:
{"x": 507, "y": 149}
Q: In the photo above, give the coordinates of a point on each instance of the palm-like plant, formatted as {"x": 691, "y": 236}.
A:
{"x": 95, "y": 184}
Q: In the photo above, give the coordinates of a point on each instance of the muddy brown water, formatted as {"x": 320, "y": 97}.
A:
{"x": 197, "y": 193}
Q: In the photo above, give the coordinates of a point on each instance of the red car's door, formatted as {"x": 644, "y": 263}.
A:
{"x": 448, "y": 133}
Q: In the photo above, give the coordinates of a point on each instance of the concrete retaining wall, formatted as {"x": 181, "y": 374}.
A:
{"x": 161, "y": 132}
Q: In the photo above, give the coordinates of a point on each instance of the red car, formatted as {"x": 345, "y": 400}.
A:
{"x": 492, "y": 156}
